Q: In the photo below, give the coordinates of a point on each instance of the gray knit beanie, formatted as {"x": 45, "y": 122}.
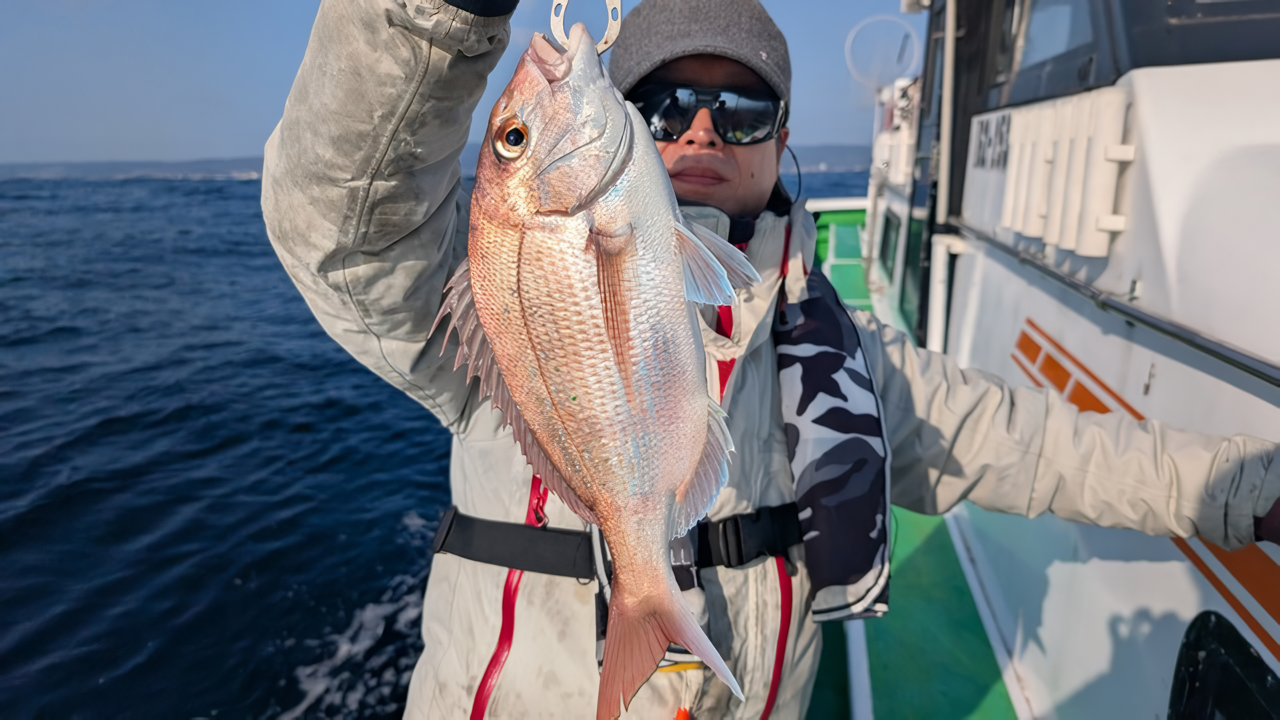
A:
{"x": 656, "y": 32}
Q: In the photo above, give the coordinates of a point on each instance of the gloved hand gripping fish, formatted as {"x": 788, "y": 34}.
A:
{"x": 573, "y": 309}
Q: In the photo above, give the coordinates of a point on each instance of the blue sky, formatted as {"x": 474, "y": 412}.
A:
{"x": 88, "y": 80}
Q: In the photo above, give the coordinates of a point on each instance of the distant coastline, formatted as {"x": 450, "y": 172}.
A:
{"x": 231, "y": 169}
{"x": 812, "y": 159}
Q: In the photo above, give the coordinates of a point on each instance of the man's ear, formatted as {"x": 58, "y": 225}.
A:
{"x": 783, "y": 134}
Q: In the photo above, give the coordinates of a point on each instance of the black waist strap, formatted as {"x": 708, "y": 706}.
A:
{"x": 732, "y": 542}
{"x": 739, "y": 539}
{"x": 550, "y": 551}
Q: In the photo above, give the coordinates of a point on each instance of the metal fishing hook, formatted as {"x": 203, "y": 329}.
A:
{"x": 558, "y": 8}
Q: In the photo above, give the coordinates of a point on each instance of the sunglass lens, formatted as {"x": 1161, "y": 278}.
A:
{"x": 743, "y": 120}
{"x": 738, "y": 120}
{"x": 678, "y": 112}
{"x": 669, "y": 111}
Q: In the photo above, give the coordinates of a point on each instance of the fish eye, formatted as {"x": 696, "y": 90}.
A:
{"x": 511, "y": 139}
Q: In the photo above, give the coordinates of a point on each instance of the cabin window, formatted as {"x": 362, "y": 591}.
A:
{"x": 1006, "y": 38}
{"x": 1180, "y": 32}
{"x": 1055, "y": 27}
{"x": 889, "y": 242}
{"x": 915, "y": 266}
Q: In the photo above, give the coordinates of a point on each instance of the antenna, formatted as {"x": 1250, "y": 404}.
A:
{"x": 870, "y": 55}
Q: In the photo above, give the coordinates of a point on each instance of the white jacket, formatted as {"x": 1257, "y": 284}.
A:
{"x": 364, "y": 203}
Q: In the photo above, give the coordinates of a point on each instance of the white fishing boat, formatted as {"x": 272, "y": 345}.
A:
{"x": 1075, "y": 195}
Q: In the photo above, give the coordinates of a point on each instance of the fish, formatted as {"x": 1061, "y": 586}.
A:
{"x": 575, "y": 308}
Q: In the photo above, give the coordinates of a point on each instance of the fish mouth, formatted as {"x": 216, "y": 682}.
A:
{"x": 555, "y": 65}
{"x": 603, "y": 127}
{"x": 552, "y": 63}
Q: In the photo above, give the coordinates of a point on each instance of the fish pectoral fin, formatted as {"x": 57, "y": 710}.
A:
{"x": 474, "y": 350}
{"x": 617, "y": 279}
{"x": 712, "y": 267}
{"x": 698, "y": 492}
{"x": 740, "y": 271}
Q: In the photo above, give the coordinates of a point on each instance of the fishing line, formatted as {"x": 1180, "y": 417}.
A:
{"x": 799, "y": 177}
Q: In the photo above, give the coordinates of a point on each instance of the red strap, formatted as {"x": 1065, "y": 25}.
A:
{"x": 724, "y": 326}
{"x": 535, "y": 515}
{"x": 784, "y": 629}
{"x": 786, "y": 252}
{"x": 784, "y": 580}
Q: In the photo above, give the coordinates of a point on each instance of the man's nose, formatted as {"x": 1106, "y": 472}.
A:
{"x": 701, "y": 132}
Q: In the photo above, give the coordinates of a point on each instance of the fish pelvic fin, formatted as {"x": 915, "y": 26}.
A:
{"x": 475, "y": 351}
{"x": 617, "y": 280}
{"x": 640, "y": 629}
{"x": 712, "y": 267}
{"x": 695, "y": 496}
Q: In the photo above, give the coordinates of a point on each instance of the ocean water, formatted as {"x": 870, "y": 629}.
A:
{"x": 207, "y": 508}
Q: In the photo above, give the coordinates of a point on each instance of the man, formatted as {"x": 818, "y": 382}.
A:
{"x": 364, "y": 203}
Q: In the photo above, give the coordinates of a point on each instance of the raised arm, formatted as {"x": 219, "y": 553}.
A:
{"x": 963, "y": 434}
{"x": 361, "y": 187}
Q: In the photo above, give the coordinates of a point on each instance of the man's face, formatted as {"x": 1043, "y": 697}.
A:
{"x": 737, "y": 179}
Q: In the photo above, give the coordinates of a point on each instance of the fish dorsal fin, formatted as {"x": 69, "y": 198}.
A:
{"x": 474, "y": 350}
{"x": 696, "y": 494}
{"x": 712, "y": 267}
{"x": 616, "y": 278}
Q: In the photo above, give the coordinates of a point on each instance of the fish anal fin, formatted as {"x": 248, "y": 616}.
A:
{"x": 698, "y": 492}
{"x": 474, "y": 350}
{"x": 534, "y": 454}
{"x": 617, "y": 279}
{"x": 640, "y": 629}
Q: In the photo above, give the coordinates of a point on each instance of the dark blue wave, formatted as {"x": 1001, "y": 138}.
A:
{"x": 200, "y": 493}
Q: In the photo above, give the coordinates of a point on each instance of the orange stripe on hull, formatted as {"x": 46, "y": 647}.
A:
{"x": 1053, "y": 371}
{"x": 1028, "y": 347}
{"x": 1081, "y": 397}
{"x": 1226, "y": 594}
{"x": 1025, "y": 370}
{"x": 1257, "y": 572}
{"x": 1101, "y": 385}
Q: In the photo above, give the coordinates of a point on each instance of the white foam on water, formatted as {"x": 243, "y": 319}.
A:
{"x": 372, "y": 660}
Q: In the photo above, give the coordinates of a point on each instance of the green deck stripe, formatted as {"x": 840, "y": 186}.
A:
{"x": 830, "y": 700}
{"x": 847, "y": 235}
{"x": 930, "y": 656}
{"x": 850, "y": 283}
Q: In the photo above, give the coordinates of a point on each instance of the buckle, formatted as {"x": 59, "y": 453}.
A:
{"x": 442, "y": 532}
{"x": 737, "y": 540}
{"x": 728, "y": 543}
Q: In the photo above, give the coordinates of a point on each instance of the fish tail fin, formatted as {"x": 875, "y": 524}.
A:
{"x": 637, "y": 638}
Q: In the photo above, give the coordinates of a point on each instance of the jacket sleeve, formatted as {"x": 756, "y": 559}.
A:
{"x": 965, "y": 435}
{"x": 361, "y": 190}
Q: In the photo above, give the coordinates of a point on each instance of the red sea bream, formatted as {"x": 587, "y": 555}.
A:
{"x": 574, "y": 310}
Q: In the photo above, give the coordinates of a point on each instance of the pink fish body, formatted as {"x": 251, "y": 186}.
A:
{"x": 574, "y": 311}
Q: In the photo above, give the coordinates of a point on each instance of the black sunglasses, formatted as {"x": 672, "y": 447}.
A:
{"x": 738, "y": 118}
